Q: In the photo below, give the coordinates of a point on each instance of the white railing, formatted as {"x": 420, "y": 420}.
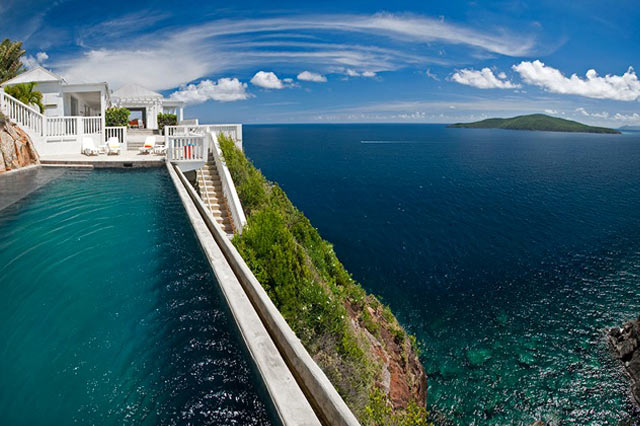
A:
{"x": 119, "y": 132}
{"x": 187, "y": 148}
{"x": 234, "y": 131}
{"x": 62, "y": 126}
{"x": 37, "y": 124}
{"x": 22, "y": 114}
{"x": 92, "y": 125}
{"x": 228, "y": 188}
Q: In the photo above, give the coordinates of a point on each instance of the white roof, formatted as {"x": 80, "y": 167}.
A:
{"x": 133, "y": 91}
{"x": 37, "y": 74}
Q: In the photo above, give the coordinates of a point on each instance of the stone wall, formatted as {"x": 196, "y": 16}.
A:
{"x": 16, "y": 147}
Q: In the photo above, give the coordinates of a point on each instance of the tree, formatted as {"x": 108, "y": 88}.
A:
{"x": 166, "y": 120}
{"x": 24, "y": 93}
{"x": 116, "y": 117}
{"x": 10, "y": 63}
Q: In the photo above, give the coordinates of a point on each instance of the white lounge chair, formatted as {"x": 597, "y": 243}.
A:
{"x": 149, "y": 145}
{"x": 113, "y": 146}
{"x": 160, "y": 150}
{"x": 88, "y": 147}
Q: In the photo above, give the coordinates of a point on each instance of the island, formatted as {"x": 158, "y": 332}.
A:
{"x": 535, "y": 122}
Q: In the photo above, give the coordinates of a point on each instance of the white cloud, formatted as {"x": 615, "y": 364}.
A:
{"x": 483, "y": 79}
{"x": 166, "y": 57}
{"x": 584, "y": 112}
{"x": 631, "y": 118}
{"x": 312, "y": 76}
{"x": 224, "y": 90}
{"x": 551, "y": 111}
{"x": 625, "y": 87}
{"x": 353, "y": 73}
{"x": 159, "y": 68}
{"x": 267, "y": 80}
{"x": 429, "y": 74}
{"x": 34, "y": 61}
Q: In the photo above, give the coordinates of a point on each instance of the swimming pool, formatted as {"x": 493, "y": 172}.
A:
{"x": 109, "y": 312}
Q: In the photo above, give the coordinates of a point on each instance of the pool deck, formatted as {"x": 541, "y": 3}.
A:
{"x": 126, "y": 159}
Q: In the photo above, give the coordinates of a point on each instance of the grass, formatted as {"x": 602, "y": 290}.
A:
{"x": 316, "y": 295}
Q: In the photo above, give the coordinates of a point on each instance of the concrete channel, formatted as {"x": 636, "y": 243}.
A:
{"x": 301, "y": 392}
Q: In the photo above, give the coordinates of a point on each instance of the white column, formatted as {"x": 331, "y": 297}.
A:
{"x": 103, "y": 108}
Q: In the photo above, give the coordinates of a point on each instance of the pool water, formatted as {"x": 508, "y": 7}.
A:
{"x": 110, "y": 314}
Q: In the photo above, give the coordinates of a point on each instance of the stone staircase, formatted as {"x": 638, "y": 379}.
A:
{"x": 209, "y": 187}
{"x": 136, "y": 138}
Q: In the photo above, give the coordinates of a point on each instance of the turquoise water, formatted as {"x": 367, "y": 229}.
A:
{"x": 109, "y": 313}
{"x": 507, "y": 253}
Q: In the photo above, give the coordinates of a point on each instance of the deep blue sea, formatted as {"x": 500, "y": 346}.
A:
{"x": 508, "y": 253}
{"x": 109, "y": 312}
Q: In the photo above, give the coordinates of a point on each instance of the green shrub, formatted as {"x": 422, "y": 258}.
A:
{"x": 304, "y": 278}
{"x": 167, "y": 120}
{"x": 116, "y": 117}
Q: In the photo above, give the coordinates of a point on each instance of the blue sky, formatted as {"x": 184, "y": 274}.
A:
{"x": 256, "y": 62}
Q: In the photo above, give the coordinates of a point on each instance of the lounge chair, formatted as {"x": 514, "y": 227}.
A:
{"x": 149, "y": 145}
{"x": 88, "y": 147}
{"x": 160, "y": 150}
{"x": 113, "y": 146}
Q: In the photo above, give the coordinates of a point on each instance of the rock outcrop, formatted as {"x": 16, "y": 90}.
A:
{"x": 625, "y": 342}
{"x": 16, "y": 147}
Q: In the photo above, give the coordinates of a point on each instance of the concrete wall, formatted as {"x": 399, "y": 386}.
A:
{"x": 319, "y": 391}
{"x": 288, "y": 398}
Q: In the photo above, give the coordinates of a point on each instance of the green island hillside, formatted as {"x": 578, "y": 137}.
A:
{"x": 534, "y": 122}
{"x": 356, "y": 340}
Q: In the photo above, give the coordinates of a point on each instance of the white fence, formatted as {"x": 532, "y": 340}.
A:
{"x": 234, "y": 131}
{"x": 228, "y": 187}
{"x": 52, "y": 135}
{"x": 62, "y": 126}
{"x": 92, "y": 125}
{"x": 26, "y": 116}
{"x": 119, "y": 132}
{"x": 194, "y": 148}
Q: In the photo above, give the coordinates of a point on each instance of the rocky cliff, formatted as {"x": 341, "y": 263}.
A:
{"x": 626, "y": 344}
{"x": 16, "y": 147}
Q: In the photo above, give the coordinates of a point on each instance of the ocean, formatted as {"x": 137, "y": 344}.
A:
{"x": 507, "y": 253}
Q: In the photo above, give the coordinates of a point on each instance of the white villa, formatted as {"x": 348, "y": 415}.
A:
{"x": 64, "y": 99}
{"x": 73, "y": 111}
{"x": 147, "y": 102}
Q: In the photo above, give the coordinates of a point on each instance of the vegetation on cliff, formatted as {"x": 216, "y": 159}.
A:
{"x": 356, "y": 340}
{"x": 535, "y": 122}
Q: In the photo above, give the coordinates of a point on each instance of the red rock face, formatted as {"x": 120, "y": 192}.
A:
{"x": 403, "y": 379}
{"x": 16, "y": 148}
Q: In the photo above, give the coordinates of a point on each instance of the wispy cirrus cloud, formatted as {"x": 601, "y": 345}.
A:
{"x": 169, "y": 56}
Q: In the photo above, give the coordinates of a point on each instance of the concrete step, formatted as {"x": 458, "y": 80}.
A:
{"x": 145, "y": 132}
{"x": 211, "y": 187}
{"x": 212, "y": 173}
{"x": 137, "y": 141}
